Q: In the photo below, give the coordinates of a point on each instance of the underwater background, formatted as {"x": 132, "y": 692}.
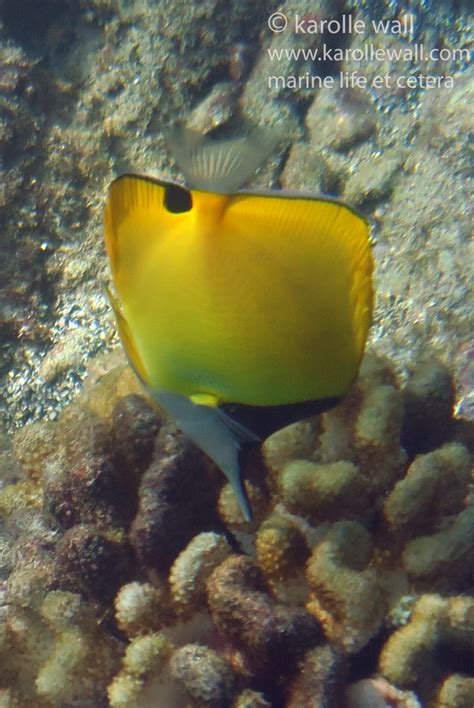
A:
{"x": 127, "y": 575}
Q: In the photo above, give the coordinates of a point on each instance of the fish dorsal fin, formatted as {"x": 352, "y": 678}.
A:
{"x": 220, "y": 166}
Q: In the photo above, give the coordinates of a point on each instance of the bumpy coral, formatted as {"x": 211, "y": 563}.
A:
{"x": 347, "y": 596}
{"x": 250, "y": 699}
{"x": 118, "y": 509}
{"x": 33, "y": 444}
{"x": 94, "y": 563}
{"x": 143, "y": 657}
{"x": 71, "y": 658}
{"x": 365, "y": 429}
{"x": 135, "y": 425}
{"x": 177, "y": 500}
{"x": 377, "y": 437}
{"x": 445, "y": 558}
{"x": 457, "y": 690}
{"x": 118, "y": 516}
{"x": 231, "y": 513}
{"x": 207, "y": 677}
{"x": 192, "y": 568}
{"x": 320, "y": 681}
{"x": 142, "y": 607}
{"x": 323, "y": 492}
{"x": 270, "y": 636}
{"x": 280, "y": 546}
{"x": 438, "y": 635}
{"x": 435, "y": 486}
{"x": 290, "y": 443}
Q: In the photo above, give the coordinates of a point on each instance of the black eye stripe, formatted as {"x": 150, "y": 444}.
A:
{"x": 177, "y": 199}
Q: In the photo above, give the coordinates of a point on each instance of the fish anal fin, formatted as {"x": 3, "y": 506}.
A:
{"x": 220, "y": 437}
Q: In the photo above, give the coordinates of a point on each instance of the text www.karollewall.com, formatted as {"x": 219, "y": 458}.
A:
{"x": 369, "y": 52}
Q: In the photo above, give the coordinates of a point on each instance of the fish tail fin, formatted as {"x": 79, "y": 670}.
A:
{"x": 220, "y": 166}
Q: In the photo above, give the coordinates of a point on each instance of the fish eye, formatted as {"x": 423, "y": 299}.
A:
{"x": 177, "y": 199}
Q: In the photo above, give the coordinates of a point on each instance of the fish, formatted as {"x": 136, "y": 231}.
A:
{"x": 240, "y": 310}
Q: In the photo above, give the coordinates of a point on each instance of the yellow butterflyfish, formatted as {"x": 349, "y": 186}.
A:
{"x": 240, "y": 310}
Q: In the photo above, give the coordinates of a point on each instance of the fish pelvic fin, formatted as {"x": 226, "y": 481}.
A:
{"x": 220, "y": 166}
{"x": 220, "y": 437}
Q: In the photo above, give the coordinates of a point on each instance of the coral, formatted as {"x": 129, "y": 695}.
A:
{"x": 144, "y": 656}
{"x": 346, "y": 597}
{"x": 73, "y": 660}
{"x": 323, "y": 587}
{"x": 142, "y": 607}
{"x": 377, "y": 436}
{"x": 192, "y": 568}
{"x": 250, "y": 699}
{"x": 34, "y": 571}
{"x": 281, "y": 547}
{"x": 320, "y": 681}
{"x": 446, "y": 559}
{"x": 365, "y": 429}
{"x": 456, "y": 691}
{"x": 176, "y": 501}
{"x": 93, "y": 562}
{"x": 119, "y": 509}
{"x": 296, "y": 441}
{"x": 231, "y": 513}
{"x": 108, "y": 380}
{"x": 435, "y": 486}
{"x": 207, "y": 677}
{"x": 271, "y": 636}
{"x": 323, "y": 492}
{"x": 438, "y": 635}
{"x": 80, "y": 480}
{"x": 135, "y": 426}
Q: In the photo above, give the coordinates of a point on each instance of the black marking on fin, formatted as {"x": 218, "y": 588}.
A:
{"x": 265, "y": 420}
{"x": 177, "y": 199}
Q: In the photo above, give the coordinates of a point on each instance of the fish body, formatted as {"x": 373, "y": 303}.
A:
{"x": 241, "y": 310}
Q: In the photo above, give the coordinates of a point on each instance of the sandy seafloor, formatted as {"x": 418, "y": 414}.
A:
{"x": 364, "y": 578}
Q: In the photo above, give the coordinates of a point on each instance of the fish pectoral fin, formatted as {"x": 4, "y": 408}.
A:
{"x": 220, "y": 437}
{"x": 219, "y": 166}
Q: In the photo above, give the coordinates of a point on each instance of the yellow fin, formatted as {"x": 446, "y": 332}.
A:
{"x": 139, "y": 211}
{"x": 308, "y": 265}
{"x": 127, "y": 340}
